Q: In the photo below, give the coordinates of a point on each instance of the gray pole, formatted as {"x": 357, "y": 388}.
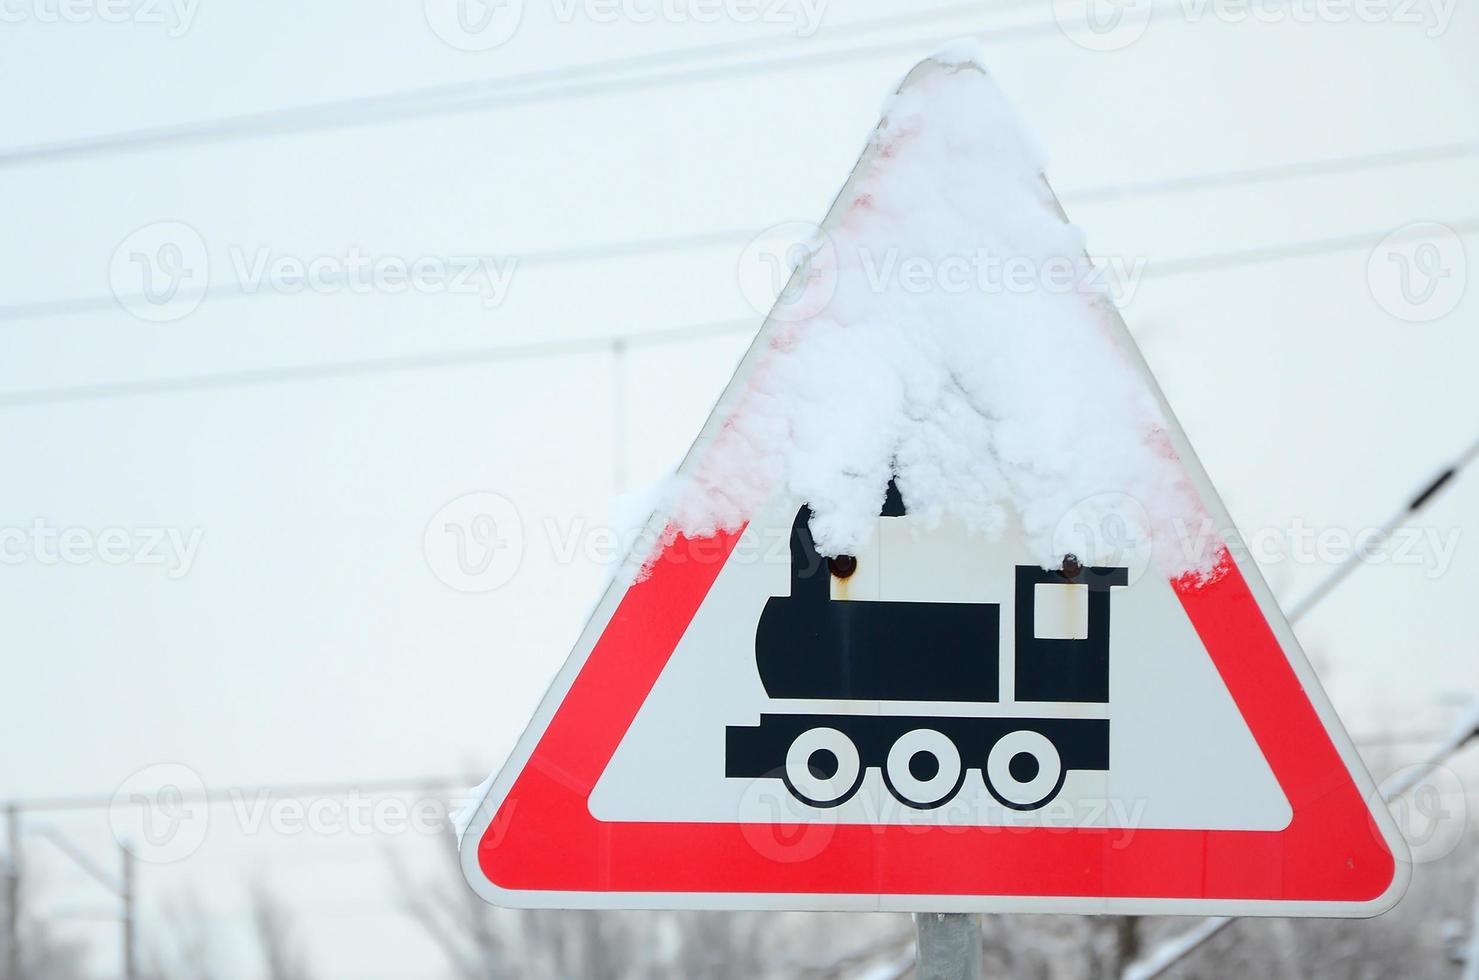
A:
{"x": 1471, "y": 955}
{"x": 949, "y": 945}
{"x": 13, "y": 894}
{"x": 126, "y": 892}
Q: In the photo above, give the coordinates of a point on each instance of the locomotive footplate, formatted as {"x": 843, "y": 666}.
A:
{"x": 924, "y": 760}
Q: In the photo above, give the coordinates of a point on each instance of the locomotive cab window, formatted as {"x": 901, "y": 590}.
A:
{"x": 1060, "y": 612}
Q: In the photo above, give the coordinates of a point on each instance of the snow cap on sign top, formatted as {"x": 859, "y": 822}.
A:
{"x": 949, "y": 330}
{"x": 961, "y": 51}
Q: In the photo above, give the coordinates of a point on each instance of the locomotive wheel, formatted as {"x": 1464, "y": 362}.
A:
{"x": 1024, "y": 771}
{"x": 923, "y": 769}
{"x": 823, "y": 768}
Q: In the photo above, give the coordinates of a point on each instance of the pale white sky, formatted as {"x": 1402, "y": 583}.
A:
{"x": 310, "y": 640}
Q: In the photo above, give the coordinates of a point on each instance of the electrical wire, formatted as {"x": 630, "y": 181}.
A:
{"x": 370, "y": 366}
{"x": 238, "y": 289}
{"x": 526, "y": 88}
{"x": 466, "y": 358}
{"x": 228, "y": 289}
{"x": 1352, "y": 561}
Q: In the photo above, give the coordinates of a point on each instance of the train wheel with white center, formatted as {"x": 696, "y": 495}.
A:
{"x": 1024, "y": 770}
{"x": 823, "y": 768}
{"x": 924, "y": 769}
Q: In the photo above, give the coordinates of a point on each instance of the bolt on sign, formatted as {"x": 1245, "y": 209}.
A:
{"x": 924, "y": 703}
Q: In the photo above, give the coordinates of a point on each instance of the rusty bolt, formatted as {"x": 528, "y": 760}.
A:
{"x": 1071, "y": 566}
{"x": 843, "y": 565}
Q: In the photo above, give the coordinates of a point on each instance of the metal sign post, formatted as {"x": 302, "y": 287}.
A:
{"x": 948, "y": 945}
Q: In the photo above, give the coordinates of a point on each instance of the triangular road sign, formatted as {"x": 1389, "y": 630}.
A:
{"x": 942, "y": 719}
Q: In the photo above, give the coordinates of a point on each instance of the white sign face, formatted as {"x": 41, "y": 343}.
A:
{"x": 670, "y": 766}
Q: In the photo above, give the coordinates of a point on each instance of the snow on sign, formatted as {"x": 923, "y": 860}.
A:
{"x": 939, "y": 613}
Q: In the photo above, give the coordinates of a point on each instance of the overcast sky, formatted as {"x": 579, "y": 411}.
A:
{"x": 292, "y": 627}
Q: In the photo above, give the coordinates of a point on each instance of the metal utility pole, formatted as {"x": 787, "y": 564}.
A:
{"x": 122, "y": 887}
{"x": 13, "y": 893}
{"x": 126, "y": 894}
{"x": 949, "y": 945}
{"x": 1471, "y": 955}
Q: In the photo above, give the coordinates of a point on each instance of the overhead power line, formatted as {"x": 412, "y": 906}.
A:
{"x": 234, "y": 793}
{"x": 547, "y": 84}
{"x": 236, "y": 289}
{"x": 467, "y": 358}
{"x": 1352, "y": 561}
{"x": 371, "y": 366}
{"x": 1329, "y": 167}
{"x": 228, "y": 289}
{"x": 1293, "y": 250}
{"x": 534, "y": 87}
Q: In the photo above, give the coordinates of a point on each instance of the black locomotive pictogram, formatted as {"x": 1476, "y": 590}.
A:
{"x": 812, "y": 648}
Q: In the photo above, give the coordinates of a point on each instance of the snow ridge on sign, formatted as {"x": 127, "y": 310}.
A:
{"x": 951, "y": 331}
